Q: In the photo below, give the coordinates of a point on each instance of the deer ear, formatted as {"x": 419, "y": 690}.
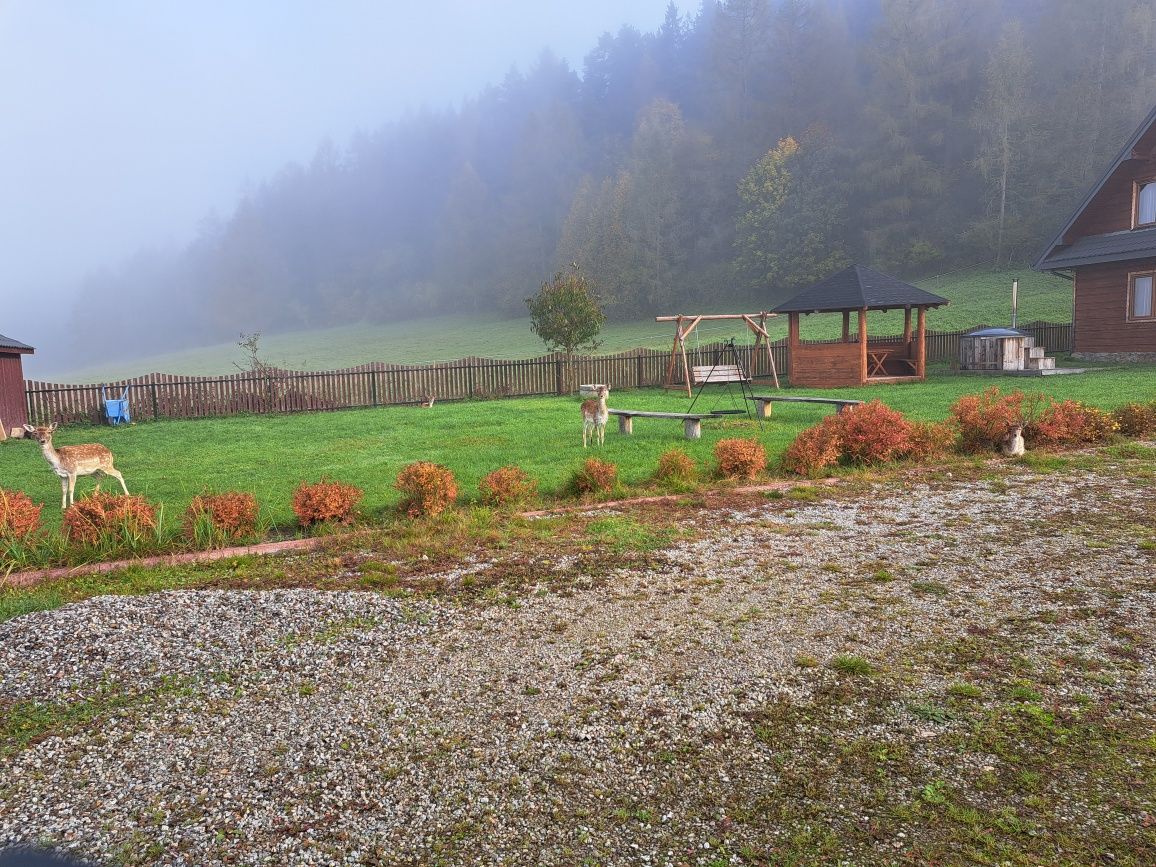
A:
{"x": 52, "y": 427}
{"x": 29, "y": 428}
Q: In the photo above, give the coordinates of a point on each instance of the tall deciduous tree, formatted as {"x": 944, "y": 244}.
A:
{"x": 790, "y": 232}
{"x": 566, "y": 315}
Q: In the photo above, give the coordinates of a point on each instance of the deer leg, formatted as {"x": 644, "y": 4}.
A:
{"x": 116, "y": 475}
{"x": 63, "y": 492}
{"x": 71, "y": 490}
{"x": 584, "y": 430}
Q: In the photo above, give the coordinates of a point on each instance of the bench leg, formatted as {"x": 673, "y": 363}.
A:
{"x": 763, "y": 408}
{"x": 625, "y": 424}
{"x": 692, "y": 427}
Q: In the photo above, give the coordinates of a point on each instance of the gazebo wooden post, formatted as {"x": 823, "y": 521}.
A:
{"x": 921, "y": 345}
{"x": 907, "y": 331}
{"x": 863, "y": 346}
{"x": 846, "y": 326}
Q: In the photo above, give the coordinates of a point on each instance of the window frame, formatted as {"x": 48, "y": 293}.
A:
{"x": 1130, "y": 299}
{"x": 1137, "y": 186}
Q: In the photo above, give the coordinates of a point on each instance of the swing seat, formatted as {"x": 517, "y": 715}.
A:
{"x": 708, "y": 374}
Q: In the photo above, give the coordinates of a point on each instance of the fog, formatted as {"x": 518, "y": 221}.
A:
{"x": 174, "y": 175}
{"x": 123, "y": 124}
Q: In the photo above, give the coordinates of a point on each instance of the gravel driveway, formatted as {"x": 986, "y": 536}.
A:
{"x": 885, "y": 676}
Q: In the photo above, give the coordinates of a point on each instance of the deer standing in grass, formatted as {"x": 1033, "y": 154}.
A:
{"x": 68, "y": 462}
{"x": 594, "y": 415}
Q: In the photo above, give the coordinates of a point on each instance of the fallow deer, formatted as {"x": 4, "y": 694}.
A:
{"x": 1013, "y": 441}
{"x": 68, "y": 462}
{"x": 594, "y": 415}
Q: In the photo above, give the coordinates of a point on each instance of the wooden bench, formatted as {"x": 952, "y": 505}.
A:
{"x": 708, "y": 373}
{"x": 763, "y": 402}
{"x": 691, "y": 423}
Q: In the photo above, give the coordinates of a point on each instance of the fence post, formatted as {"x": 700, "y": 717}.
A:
{"x": 373, "y": 387}
{"x": 156, "y": 409}
{"x": 558, "y": 374}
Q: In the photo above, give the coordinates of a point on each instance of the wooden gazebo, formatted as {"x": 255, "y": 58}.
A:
{"x": 854, "y": 359}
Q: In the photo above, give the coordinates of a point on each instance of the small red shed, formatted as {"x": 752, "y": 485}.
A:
{"x": 13, "y": 404}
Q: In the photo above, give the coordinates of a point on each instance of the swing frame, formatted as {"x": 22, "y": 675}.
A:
{"x": 747, "y": 391}
{"x": 755, "y": 322}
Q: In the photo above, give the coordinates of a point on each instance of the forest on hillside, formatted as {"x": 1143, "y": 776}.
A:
{"x": 738, "y": 152}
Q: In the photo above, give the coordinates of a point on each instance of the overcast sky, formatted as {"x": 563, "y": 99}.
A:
{"x": 124, "y": 122}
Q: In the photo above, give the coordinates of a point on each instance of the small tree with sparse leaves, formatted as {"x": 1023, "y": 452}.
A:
{"x": 567, "y": 316}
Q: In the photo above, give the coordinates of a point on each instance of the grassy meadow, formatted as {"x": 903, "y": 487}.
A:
{"x": 976, "y": 297}
{"x": 171, "y": 461}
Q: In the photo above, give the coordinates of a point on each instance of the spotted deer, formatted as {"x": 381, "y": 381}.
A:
{"x": 68, "y": 462}
{"x": 594, "y": 415}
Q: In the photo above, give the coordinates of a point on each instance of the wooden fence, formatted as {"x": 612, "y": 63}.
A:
{"x": 160, "y": 396}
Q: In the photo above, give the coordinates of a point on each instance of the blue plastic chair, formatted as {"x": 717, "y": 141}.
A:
{"x": 116, "y": 409}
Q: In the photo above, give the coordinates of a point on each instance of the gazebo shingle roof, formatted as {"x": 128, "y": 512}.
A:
{"x": 855, "y": 288}
{"x": 9, "y": 343}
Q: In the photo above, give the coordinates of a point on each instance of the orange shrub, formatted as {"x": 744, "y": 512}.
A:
{"x": 100, "y": 516}
{"x": 739, "y": 458}
{"x": 507, "y": 486}
{"x": 1071, "y": 423}
{"x": 929, "y": 439}
{"x": 983, "y": 419}
{"x": 19, "y": 516}
{"x": 675, "y": 465}
{"x": 230, "y": 515}
{"x": 873, "y": 433}
{"x": 325, "y": 501}
{"x": 1136, "y": 419}
{"x": 815, "y": 448}
{"x": 595, "y": 476}
{"x": 427, "y": 488}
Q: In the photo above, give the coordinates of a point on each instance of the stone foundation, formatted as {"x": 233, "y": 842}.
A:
{"x": 1118, "y": 357}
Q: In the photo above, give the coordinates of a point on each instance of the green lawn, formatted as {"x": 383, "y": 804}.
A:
{"x": 976, "y": 297}
{"x": 171, "y": 461}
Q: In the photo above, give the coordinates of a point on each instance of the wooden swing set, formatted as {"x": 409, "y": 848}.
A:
{"x": 755, "y": 322}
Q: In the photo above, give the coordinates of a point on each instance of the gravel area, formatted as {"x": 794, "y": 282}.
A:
{"x": 652, "y": 719}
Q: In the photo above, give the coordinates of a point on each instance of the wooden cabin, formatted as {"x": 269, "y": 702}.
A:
{"x": 13, "y": 405}
{"x": 1108, "y": 249}
{"x": 857, "y": 359}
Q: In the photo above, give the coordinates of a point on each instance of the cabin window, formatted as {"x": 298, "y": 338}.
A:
{"x": 1146, "y": 203}
{"x": 1140, "y": 296}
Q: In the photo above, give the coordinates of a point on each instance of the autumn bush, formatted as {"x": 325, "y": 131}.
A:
{"x": 326, "y": 500}
{"x": 427, "y": 489}
{"x": 113, "y": 518}
{"x": 213, "y": 518}
{"x": 740, "y": 458}
{"x": 930, "y": 439}
{"x": 507, "y": 486}
{"x": 873, "y": 433}
{"x": 815, "y": 448}
{"x": 1136, "y": 419}
{"x": 675, "y": 465}
{"x": 19, "y": 516}
{"x": 983, "y": 419}
{"x": 595, "y": 476}
{"x": 1071, "y": 423}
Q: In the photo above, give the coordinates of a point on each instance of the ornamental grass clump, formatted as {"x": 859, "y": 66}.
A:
{"x": 928, "y": 440}
{"x": 214, "y": 519}
{"x": 428, "y": 489}
{"x": 325, "y": 501}
{"x": 507, "y": 486}
{"x": 740, "y": 459}
{"x": 114, "y": 520}
{"x": 983, "y": 420}
{"x": 595, "y": 476}
{"x": 675, "y": 466}
{"x": 19, "y": 516}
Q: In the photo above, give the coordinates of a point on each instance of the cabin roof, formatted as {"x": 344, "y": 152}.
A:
{"x": 1112, "y": 247}
{"x": 16, "y": 345}
{"x": 1054, "y": 256}
{"x": 855, "y": 288}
